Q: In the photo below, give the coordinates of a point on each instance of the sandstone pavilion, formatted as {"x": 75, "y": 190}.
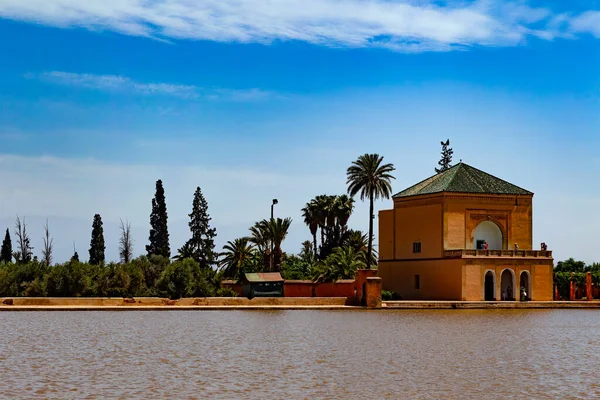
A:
{"x": 432, "y": 244}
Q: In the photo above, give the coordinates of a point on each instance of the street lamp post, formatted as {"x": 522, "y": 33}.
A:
{"x": 272, "y": 205}
{"x": 271, "y": 258}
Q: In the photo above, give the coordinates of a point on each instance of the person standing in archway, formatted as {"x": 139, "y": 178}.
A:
{"x": 509, "y": 293}
{"x": 485, "y": 245}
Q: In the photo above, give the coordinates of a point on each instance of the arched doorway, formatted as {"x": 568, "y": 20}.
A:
{"x": 525, "y": 286}
{"x": 489, "y": 232}
{"x": 507, "y": 285}
{"x": 489, "y": 286}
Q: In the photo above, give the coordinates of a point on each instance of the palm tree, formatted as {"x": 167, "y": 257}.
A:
{"x": 262, "y": 240}
{"x": 269, "y": 234}
{"x": 372, "y": 179}
{"x": 311, "y": 218}
{"x": 359, "y": 242}
{"x": 344, "y": 206}
{"x": 330, "y": 212}
{"x": 186, "y": 251}
{"x": 236, "y": 256}
{"x": 277, "y": 230}
{"x": 342, "y": 263}
{"x": 256, "y": 262}
{"x": 306, "y": 254}
{"x": 321, "y": 204}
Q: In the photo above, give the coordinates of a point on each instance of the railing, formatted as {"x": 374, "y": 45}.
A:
{"x": 497, "y": 253}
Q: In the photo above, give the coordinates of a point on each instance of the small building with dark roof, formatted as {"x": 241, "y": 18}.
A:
{"x": 463, "y": 234}
{"x": 262, "y": 284}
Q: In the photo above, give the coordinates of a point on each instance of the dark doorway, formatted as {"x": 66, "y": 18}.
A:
{"x": 525, "y": 287}
{"x": 489, "y": 286}
{"x": 507, "y": 285}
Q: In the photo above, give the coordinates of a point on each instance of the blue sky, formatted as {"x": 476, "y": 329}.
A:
{"x": 252, "y": 100}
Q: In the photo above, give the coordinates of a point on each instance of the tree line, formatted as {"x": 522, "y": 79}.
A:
{"x": 198, "y": 268}
{"x": 574, "y": 271}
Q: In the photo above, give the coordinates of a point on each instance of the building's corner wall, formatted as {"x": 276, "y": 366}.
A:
{"x": 418, "y": 220}
{"x": 454, "y": 226}
{"x": 522, "y": 224}
{"x": 543, "y": 282}
{"x": 438, "y": 279}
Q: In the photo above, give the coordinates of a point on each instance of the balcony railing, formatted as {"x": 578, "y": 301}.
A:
{"x": 497, "y": 253}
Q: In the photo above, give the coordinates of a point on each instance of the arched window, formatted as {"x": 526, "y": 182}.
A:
{"x": 487, "y": 232}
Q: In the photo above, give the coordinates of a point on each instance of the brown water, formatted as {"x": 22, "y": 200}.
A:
{"x": 461, "y": 354}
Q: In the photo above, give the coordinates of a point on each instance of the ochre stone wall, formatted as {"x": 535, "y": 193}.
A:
{"x": 417, "y": 223}
{"x": 153, "y": 302}
{"x": 86, "y": 301}
{"x": 263, "y": 301}
{"x": 439, "y": 279}
{"x": 343, "y": 288}
{"x": 373, "y": 292}
{"x": 454, "y": 227}
{"x": 472, "y": 283}
{"x": 361, "y": 278}
{"x": 386, "y": 235}
{"x": 543, "y": 282}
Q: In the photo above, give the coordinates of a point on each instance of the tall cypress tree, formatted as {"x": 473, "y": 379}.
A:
{"x": 159, "y": 233}
{"x": 97, "y": 245}
{"x": 446, "y": 160}
{"x": 203, "y": 236}
{"x": 6, "y": 251}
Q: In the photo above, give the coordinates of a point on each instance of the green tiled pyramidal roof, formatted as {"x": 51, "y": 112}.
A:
{"x": 463, "y": 178}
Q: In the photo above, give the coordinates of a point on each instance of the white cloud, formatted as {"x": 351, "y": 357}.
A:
{"x": 125, "y": 84}
{"x": 587, "y": 22}
{"x": 407, "y": 26}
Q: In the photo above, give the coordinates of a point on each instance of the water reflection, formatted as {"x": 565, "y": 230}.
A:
{"x": 301, "y": 354}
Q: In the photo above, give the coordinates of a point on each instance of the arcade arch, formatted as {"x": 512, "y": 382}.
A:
{"x": 508, "y": 285}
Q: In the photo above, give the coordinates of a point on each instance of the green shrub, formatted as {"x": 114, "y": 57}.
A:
{"x": 226, "y": 292}
{"x": 294, "y": 267}
{"x": 154, "y": 276}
